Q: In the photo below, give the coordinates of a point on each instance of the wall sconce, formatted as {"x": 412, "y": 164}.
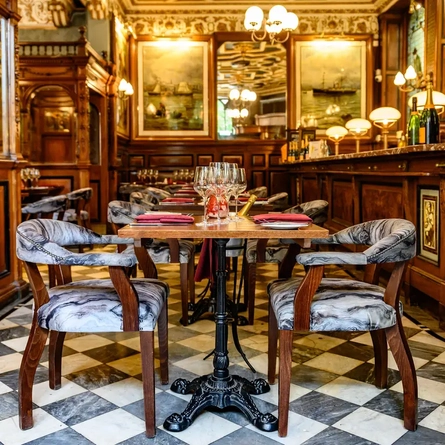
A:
{"x": 279, "y": 20}
{"x": 410, "y": 78}
{"x": 384, "y": 118}
{"x": 438, "y": 101}
{"x": 414, "y": 6}
{"x": 358, "y": 128}
{"x": 124, "y": 90}
{"x": 336, "y": 134}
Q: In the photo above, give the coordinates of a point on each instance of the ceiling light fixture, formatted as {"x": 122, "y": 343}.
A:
{"x": 279, "y": 20}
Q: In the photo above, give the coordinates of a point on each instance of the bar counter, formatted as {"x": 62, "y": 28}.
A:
{"x": 406, "y": 182}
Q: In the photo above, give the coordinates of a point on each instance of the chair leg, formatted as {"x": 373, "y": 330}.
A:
{"x": 272, "y": 347}
{"x": 251, "y": 281}
{"x": 284, "y": 375}
{"x": 184, "y": 277}
{"x": 191, "y": 279}
{"x": 290, "y": 259}
{"x": 402, "y": 355}
{"x": 163, "y": 343}
{"x": 148, "y": 381}
{"x": 30, "y": 361}
{"x": 55, "y": 358}
{"x": 381, "y": 358}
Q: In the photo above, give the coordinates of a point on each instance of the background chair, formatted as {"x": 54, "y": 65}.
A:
{"x": 168, "y": 251}
{"x": 143, "y": 199}
{"x": 45, "y": 208}
{"x": 78, "y": 207}
{"x": 259, "y": 192}
{"x": 314, "y": 303}
{"x": 283, "y": 253}
{"x": 110, "y": 305}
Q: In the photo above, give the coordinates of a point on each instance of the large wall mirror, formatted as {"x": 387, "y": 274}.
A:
{"x": 2, "y": 61}
{"x": 251, "y": 90}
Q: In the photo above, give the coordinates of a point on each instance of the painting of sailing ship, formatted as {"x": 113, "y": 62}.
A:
{"x": 331, "y": 81}
{"x": 173, "y": 89}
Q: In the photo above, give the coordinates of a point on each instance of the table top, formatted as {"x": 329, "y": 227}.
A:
{"x": 245, "y": 228}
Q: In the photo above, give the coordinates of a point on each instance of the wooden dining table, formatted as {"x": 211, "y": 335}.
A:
{"x": 220, "y": 389}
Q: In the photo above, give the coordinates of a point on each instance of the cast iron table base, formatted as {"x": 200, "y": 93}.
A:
{"x": 220, "y": 389}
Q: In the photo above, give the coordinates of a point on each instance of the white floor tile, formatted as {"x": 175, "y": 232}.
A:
{"x": 428, "y": 389}
{"x": 337, "y": 364}
{"x": 201, "y": 343}
{"x": 43, "y": 395}
{"x": 87, "y": 342}
{"x": 10, "y": 362}
{"x": 19, "y": 344}
{"x": 424, "y": 337}
{"x": 435, "y": 420}
{"x": 373, "y": 426}
{"x": 44, "y": 424}
{"x": 196, "y": 364}
{"x": 111, "y": 428}
{"x": 130, "y": 365}
{"x": 350, "y": 390}
{"x": 320, "y": 341}
{"x": 300, "y": 429}
{"x": 258, "y": 342}
{"x": 4, "y": 388}
{"x": 6, "y": 324}
{"x": 364, "y": 339}
{"x": 272, "y": 396}
{"x": 207, "y": 428}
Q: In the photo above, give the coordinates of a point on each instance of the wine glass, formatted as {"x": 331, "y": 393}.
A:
{"x": 240, "y": 186}
{"x": 220, "y": 183}
{"x": 232, "y": 183}
{"x": 203, "y": 185}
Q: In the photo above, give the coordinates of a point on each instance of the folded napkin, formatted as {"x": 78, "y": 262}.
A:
{"x": 245, "y": 199}
{"x": 281, "y": 217}
{"x": 165, "y": 218}
{"x": 183, "y": 200}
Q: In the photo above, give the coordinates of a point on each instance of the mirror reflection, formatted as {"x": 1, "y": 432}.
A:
{"x": 251, "y": 90}
{"x": 48, "y": 126}
{"x": 2, "y": 61}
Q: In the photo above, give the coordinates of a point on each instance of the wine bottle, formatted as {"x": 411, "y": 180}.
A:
{"x": 244, "y": 210}
{"x": 429, "y": 120}
{"x": 414, "y": 124}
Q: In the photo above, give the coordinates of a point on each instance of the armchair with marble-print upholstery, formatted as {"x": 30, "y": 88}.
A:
{"x": 160, "y": 251}
{"x": 117, "y": 304}
{"x": 313, "y": 303}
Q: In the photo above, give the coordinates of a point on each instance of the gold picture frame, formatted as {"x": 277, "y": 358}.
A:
{"x": 173, "y": 88}
{"x": 429, "y": 233}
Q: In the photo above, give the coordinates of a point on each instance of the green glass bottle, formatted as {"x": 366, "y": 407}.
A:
{"x": 414, "y": 124}
{"x": 429, "y": 120}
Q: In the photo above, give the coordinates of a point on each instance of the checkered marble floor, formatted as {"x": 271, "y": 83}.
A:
{"x": 333, "y": 399}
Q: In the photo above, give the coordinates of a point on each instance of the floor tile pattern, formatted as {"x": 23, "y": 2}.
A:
{"x": 333, "y": 399}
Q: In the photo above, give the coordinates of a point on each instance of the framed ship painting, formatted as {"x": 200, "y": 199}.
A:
{"x": 330, "y": 82}
{"x": 173, "y": 88}
{"x": 429, "y": 225}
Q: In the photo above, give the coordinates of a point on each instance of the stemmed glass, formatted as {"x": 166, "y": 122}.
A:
{"x": 239, "y": 187}
{"x": 220, "y": 184}
{"x": 203, "y": 185}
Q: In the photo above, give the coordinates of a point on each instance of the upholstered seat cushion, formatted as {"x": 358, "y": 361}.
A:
{"x": 338, "y": 305}
{"x": 94, "y": 306}
{"x": 159, "y": 251}
{"x": 70, "y": 215}
{"x": 275, "y": 251}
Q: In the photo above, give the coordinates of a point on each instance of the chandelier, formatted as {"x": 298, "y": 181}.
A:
{"x": 239, "y": 104}
{"x": 279, "y": 20}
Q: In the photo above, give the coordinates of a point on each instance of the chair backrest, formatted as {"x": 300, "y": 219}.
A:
{"x": 43, "y": 240}
{"x": 390, "y": 241}
{"x": 84, "y": 193}
{"x": 124, "y": 212}
{"x": 157, "y": 194}
{"x": 45, "y": 207}
{"x": 278, "y": 198}
{"x": 317, "y": 210}
{"x": 142, "y": 198}
{"x": 259, "y": 192}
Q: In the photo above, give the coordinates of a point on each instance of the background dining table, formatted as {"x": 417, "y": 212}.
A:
{"x": 219, "y": 389}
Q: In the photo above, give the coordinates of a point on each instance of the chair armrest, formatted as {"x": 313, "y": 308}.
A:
{"x": 124, "y": 259}
{"x": 325, "y": 258}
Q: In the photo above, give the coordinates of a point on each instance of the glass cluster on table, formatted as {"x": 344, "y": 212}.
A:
{"x": 149, "y": 175}
{"x": 30, "y": 176}
{"x": 216, "y": 183}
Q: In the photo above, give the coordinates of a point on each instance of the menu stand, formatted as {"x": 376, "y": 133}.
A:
{"x": 220, "y": 389}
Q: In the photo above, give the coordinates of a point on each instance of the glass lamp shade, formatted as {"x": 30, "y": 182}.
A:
{"x": 358, "y": 127}
{"x": 129, "y": 90}
{"x": 234, "y": 94}
{"x": 384, "y": 115}
{"x": 400, "y": 79}
{"x": 252, "y": 96}
{"x": 122, "y": 85}
{"x": 277, "y": 14}
{"x": 253, "y": 18}
{"x": 438, "y": 100}
{"x": 273, "y": 28}
{"x": 337, "y": 132}
{"x": 290, "y": 22}
{"x": 244, "y": 112}
{"x": 410, "y": 73}
{"x": 245, "y": 95}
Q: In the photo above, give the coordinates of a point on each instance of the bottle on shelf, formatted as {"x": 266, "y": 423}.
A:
{"x": 414, "y": 124}
{"x": 429, "y": 119}
{"x": 244, "y": 210}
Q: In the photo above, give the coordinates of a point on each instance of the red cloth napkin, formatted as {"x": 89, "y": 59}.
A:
{"x": 165, "y": 218}
{"x": 207, "y": 257}
{"x": 245, "y": 199}
{"x": 276, "y": 217}
{"x": 183, "y": 200}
